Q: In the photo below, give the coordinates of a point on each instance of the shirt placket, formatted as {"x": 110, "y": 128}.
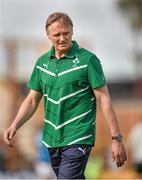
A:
{"x": 57, "y": 68}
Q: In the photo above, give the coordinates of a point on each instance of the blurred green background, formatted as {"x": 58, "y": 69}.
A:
{"x": 110, "y": 28}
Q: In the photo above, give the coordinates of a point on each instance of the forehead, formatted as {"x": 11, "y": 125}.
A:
{"x": 57, "y": 27}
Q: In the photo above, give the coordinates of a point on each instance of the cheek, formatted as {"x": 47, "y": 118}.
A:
{"x": 70, "y": 36}
{"x": 53, "y": 40}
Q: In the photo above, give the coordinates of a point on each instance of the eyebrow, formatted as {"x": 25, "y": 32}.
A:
{"x": 56, "y": 34}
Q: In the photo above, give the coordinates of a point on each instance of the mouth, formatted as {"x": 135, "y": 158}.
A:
{"x": 63, "y": 44}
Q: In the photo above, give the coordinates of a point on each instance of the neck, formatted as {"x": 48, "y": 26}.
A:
{"x": 59, "y": 54}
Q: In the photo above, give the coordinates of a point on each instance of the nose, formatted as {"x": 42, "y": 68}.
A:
{"x": 62, "y": 37}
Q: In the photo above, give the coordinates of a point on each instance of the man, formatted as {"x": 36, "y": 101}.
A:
{"x": 71, "y": 80}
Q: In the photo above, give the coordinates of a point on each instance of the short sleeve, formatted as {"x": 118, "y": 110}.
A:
{"x": 34, "y": 82}
{"x": 95, "y": 73}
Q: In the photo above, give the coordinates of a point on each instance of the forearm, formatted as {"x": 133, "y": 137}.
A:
{"x": 25, "y": 112}
{"x": 104, "y": 101}
{"x": 110, "y": 116}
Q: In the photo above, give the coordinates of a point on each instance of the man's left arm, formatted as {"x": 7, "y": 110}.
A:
{"x": 105, "y": 104}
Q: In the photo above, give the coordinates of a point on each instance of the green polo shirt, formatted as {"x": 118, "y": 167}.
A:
{"x": 69, "y": 102}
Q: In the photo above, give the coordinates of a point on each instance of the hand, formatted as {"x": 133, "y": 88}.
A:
{"x": 8, "y": 135}
{"x": 118, "y": 153}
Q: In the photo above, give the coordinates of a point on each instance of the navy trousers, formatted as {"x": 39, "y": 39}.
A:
{"x": 69, "y": 162}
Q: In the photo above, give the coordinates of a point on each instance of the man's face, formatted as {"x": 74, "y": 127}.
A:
{"x": 60, "y": 36}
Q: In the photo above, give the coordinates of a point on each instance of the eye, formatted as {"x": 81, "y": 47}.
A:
{"x": 65, "y": 33}
{"x": 56, "y": 35}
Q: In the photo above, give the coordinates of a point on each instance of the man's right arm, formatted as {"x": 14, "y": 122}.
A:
{"x": 25, "y": 112}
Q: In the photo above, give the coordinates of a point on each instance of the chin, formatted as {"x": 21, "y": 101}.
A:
{"x": 64, "y": 48}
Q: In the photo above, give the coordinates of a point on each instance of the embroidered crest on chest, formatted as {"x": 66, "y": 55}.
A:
{"x": 75, "y": 62}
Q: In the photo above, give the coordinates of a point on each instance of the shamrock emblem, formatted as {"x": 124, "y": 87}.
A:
{"x": 75, "y": 62}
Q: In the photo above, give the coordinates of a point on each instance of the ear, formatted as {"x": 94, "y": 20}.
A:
{"x": 47, "y": 32}
{"x": 48, "y": 35}
{"x": 71, "y": 31}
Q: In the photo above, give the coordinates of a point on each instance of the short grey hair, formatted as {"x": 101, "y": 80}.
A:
{"x": 60, "y": 17}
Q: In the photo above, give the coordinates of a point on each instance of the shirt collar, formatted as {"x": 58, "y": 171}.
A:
{"x": 52, "y": 53}
{"x": 70, "y": 54}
